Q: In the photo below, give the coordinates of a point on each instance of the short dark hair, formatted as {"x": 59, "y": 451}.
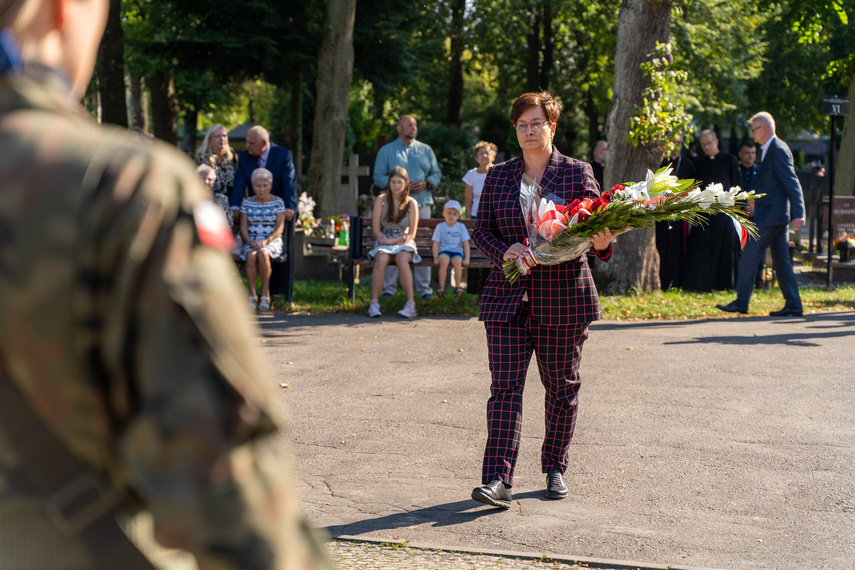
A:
{"x": 747, "y": 144}
{"x": 551, "y": 107}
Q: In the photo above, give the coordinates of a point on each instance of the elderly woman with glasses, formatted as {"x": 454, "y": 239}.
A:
{"x": 546, "y": 312}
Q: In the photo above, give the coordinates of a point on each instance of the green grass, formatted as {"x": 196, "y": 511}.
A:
{"x": 320, "y": 297}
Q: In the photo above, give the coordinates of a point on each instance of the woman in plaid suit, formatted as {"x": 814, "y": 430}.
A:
{"x": 546, "y": 312}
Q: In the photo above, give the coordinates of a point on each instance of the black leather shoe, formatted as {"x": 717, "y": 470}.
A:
{"x": 495, "y": 494}
{"x": 732, "y": 308}
{"x": 555, "y": 487}
{"x": 785, "y": 312}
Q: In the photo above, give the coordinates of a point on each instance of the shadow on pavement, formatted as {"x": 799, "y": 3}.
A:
{"x": 448, "y": 514}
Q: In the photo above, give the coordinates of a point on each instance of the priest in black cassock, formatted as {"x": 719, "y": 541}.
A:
{"x": 672, "y": 237}
{"x": 712, "y": 256}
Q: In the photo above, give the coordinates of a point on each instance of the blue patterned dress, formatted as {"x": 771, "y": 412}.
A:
{"x": 261, "y": 221}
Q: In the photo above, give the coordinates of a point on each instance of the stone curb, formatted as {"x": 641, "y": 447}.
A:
{"x": 571, "y": 560}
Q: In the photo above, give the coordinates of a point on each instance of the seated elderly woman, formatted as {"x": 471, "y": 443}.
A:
{"x": 262, "y": 222}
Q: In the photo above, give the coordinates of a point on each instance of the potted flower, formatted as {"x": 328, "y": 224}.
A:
{"x": 845, "y": 245}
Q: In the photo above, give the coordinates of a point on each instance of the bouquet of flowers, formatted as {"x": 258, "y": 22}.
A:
{"x": 559, "y": 232}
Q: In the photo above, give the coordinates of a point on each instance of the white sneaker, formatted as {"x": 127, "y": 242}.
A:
{"x": 374, "y": 310}
{"x": 409, "y": 311}
{"x": 265, "y": 304}
{"x": 253, "y": 303}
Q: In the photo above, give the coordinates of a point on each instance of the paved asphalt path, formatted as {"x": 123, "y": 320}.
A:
{"x": 714, "y": 443}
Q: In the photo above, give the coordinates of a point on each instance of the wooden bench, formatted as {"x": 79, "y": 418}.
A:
{"x": 362, "y": 240}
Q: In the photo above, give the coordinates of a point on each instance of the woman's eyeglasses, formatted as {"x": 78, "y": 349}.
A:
{"x": 535, "y": 127}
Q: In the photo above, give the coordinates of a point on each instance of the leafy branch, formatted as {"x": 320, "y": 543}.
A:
{"x": 662, "y": 118}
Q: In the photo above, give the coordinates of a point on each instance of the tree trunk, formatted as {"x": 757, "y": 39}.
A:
{"x": 593, "y": 117}
{"x": 252, "y": 113}
{"x": 548, "y": 48}
{"x": 635, "y": 261}
{"x": 455, "y": 80}
{"x": 335, "y": 70}
{"x": 844, "y": 165}
{"x": 191, "y": 125}
{"x": 111, "y": 69}
{"x": 532, "y": 39}
{"x": 380, "y": 98}
{"x": 139, "y": 103}
{"x": 164, "y": 107}
{"x": 297, "y": 120}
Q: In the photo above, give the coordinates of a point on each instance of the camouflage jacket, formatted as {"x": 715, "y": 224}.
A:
{"x": 117, "y": 326}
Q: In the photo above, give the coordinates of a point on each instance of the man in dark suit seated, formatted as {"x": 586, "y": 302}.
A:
{"x": 261, "y": 153}
{"x": 783, "y": 201}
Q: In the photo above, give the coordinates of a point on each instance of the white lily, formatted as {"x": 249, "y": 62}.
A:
{"x": 660, "y": 182}
{"x": 707, "y": 196}
{"x": 740, "y": 193}
{"x": 729, "y": 198}
{"x": 637, "y": 191}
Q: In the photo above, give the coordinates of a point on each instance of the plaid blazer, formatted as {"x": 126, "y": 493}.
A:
{"x": 560, "y": 295}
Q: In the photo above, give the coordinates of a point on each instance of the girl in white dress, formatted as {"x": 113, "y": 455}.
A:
{"x": 485, "y": 154}
{"x": 396, "y": 219}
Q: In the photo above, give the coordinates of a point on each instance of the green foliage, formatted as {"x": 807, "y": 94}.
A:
{"x": 363, "y": 128}
{"x": 452, "y": 147}
{"x": 660, "y": 121}
{"x": 809, "y": 54}
{"x": 719, "y": 45}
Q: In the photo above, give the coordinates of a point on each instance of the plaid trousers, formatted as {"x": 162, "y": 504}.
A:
{"x": 558, "y": 351}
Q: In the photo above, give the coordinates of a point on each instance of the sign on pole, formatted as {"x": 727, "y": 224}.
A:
{"x": 833, "y": 107}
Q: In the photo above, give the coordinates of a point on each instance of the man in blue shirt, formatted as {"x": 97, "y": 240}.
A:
{"x": 420, "y": 163}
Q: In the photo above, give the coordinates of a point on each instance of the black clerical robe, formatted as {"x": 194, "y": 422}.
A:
{"x": 712, "y": 256}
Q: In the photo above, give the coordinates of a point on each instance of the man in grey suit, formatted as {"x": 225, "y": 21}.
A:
{"x": 783, "y": 201}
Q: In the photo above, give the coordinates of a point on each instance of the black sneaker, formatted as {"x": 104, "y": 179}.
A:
{"x": 555, "y": 487}
{"x": 495, "y": 494}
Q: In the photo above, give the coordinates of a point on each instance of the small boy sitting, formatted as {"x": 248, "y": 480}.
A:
{"x": 451, "y": 245}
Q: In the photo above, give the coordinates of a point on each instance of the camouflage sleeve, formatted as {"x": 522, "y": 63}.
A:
{"x": 195, "y": 421}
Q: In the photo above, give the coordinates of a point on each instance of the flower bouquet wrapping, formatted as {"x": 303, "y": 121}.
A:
{"x": 559, "y": 231}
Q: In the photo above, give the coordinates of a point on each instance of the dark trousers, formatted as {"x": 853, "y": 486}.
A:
{"x": 558, "y": 351}
{"x": 777, "y": 239}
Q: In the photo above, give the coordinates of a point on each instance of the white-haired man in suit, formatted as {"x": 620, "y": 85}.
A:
{"x": 783, "y": 202}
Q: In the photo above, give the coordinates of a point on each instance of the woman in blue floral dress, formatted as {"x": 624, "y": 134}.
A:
{"x": 262, "y": 221}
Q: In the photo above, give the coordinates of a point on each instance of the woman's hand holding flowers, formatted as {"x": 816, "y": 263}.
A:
{"x": 601, "y": 240}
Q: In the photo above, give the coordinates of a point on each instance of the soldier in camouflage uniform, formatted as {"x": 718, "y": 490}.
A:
{"x": 117, "y": 328}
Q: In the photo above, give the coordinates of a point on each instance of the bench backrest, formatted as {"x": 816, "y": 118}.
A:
{"x": 424, "y": 234}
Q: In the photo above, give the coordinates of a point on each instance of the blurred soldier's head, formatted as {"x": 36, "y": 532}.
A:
{"x": 257, "y": 139}
{"x": 709, "y": 142}
{"x": 62, "y": 34}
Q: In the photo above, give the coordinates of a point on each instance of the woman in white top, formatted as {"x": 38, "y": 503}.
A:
{"x": 485, "y": 154}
